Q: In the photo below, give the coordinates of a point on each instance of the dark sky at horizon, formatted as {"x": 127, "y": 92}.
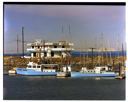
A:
{"x": 90, "y": 25}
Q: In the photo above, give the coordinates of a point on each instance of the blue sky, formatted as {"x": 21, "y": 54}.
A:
{"x": 88, "y": 24}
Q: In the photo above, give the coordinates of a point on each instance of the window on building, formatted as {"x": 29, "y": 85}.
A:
{"x": 55, "y": 46}
{"x": 38, "y": 47}
{"x": 63, "y": 46}
{"x": 29, "y": 66}
{"x": 34, "y": 54}
{"x": 33, "y": 47}
{"x": 38, "y": 66}
{"x": 45, "y": 54}
{"x": 34, "y": 66}
{"x": 52, "y": 53}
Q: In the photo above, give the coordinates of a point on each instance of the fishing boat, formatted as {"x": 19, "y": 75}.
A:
{"x": 101, "y": 71}
{"x": 38, "y": 69}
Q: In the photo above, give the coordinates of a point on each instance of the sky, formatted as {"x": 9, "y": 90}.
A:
{"x": 90, "y": 25}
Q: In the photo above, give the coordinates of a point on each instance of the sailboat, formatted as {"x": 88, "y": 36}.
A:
{"x": 97, "y": 71}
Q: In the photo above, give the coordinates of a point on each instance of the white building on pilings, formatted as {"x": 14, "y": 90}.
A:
{"x": 42, "y": 48}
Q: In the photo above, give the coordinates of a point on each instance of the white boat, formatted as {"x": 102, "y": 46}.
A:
{"x": 101, "y": 71}
{"x": 38, "y": 69}
{"x": 12, "y": 71}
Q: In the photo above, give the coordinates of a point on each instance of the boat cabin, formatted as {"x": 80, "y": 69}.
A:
{"x": 42, "y": 67}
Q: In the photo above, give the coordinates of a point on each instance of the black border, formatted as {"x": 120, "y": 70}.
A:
{"x": 67, "y": 3}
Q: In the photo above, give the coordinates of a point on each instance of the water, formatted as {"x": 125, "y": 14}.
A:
{"x": 51, "y": 88}
{"x": 79, "y": 53}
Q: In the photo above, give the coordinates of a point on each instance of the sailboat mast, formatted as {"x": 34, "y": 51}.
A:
{"x": 23, "y": 41}
{"x": 17, "y": 45}
{"x": 92, "y": 57}
{"x": 123, "y": 55}
{"x": 44, "y": 50}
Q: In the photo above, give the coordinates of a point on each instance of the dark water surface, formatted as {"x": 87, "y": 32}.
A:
{"x": 51, "y": 88}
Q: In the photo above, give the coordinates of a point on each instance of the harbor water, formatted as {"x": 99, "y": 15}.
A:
{"x": 18, "y": 87}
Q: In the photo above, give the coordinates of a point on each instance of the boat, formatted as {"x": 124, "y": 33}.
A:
{"x": 120, "y": 77}
{"x": 100, "y": 71}
{"x": 38, "y": 69}
{"x": 12, "y": 71}
{"x": 65, "y": 72}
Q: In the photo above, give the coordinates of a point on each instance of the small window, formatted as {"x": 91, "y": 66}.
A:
{"x": 55, "y": 46}
{"x": 38, "y": 47}
{"x": 45, "y": 54}
{"x": 29, "y": 66}
{"x": 32, "y": 46}
{"x": 38, "y": 66}
{"x": 34, "y": 54}
{"x": 52, "y": 54}
{"x": 34, "y": 66}
{"x": 63, "y": 46}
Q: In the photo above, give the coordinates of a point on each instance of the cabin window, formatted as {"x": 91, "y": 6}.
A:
{"x": 34, "y": 66}
{"x": 29, "y": 66}
{"x": 38, "y": 66}
{"x": 103, "y": 68}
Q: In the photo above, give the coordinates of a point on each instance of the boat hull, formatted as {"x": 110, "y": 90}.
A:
{"x": 80, "y": 74}
{"x": 24, "y": 71}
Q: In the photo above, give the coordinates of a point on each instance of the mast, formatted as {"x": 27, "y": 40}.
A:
{"x": 17, "y": 45}
{"x": 40, "y": 53}
{"x": 23, "y": 41}
{"x": 122, "y": 55}
{"x": 44, "y": 51}
{"x": 92, "y": 57}
{"x": 102, "y": 53}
